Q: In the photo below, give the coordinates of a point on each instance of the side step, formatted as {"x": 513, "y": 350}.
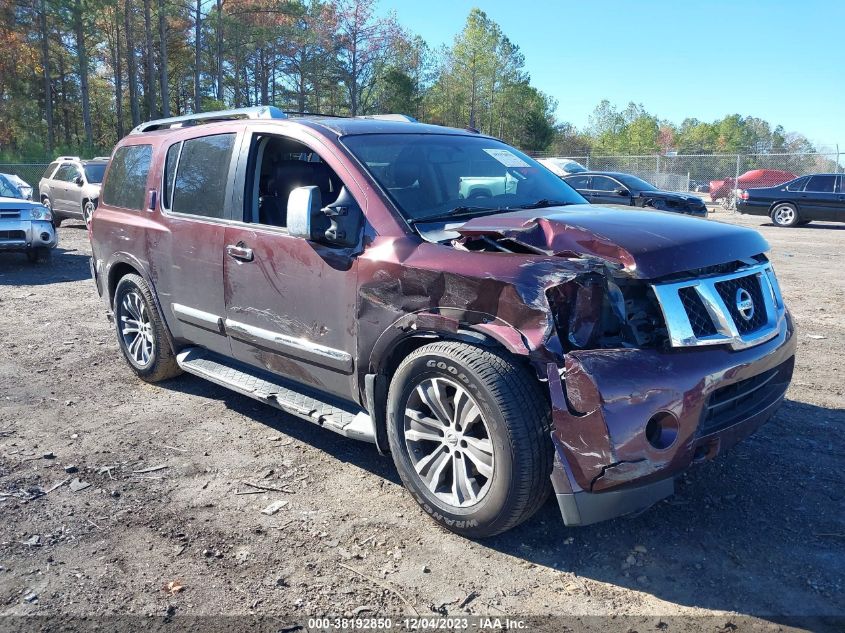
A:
{"x": 336, "y": 415}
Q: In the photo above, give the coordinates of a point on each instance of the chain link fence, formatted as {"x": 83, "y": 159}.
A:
{"x": 715, "y": 177}
{"x": 30, "y": 173}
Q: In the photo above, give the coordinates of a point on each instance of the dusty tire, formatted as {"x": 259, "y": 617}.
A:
{"x": 469, "y": 485}
{"x": 88, "y": 207}
{"x": 141, "y": 332}
{"x": 785, "y": 214}
{"x": 57, "y": 221}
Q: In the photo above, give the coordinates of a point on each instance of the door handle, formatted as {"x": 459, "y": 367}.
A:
{"x": 239, "y": 251}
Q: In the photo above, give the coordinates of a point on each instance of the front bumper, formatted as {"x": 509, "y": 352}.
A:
{"x": 606, "y": 466}
{"x": 23, "y": 235}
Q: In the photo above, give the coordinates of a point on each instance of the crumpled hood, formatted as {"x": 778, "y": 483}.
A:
{"x": 647, "y": 244}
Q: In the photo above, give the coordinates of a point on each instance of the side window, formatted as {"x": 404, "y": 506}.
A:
{"x": 199, "y": 186}
{"x": 65, "y": 173}
{"x": 126, "y": 184}
{"x": 821, "y": 184}
{"x": 841, "y": 188}
{"x": 603, "y": 183}
{"x": 279, "y": 165}
{"x": 578, "y": 182}
{"x": 170, "y": 174}
{"x": 797, "y": 185}
{"x": 50, "y": 169}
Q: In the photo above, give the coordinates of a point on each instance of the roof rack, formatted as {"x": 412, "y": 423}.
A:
{"x": 68, "y": 158}
{"x": 256, "y": 112}
{"x": 101, "y": 158}
{"x": 388, "y": 117}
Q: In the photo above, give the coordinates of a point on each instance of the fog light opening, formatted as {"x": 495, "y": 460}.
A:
{"x": 661, "y": 431}
{"x": 45, "y": 237}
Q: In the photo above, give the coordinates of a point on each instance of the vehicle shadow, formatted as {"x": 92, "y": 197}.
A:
{"x": 63, "y": 266}
{"x": 758, "y": 531}
{"x": 815, "y": 224}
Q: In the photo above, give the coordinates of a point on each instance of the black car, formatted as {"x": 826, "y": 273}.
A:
{"x": 799, "y": 201}
{"x": 610, "y": 187}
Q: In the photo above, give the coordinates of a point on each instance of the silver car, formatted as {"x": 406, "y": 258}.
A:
{"x": 70, "y": 187}
{"x": 27, "y": 227}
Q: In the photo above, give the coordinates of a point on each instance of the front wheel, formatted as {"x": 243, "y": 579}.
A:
{"x": 38, "y": 255}
{"x": 785, "y": 214}
{"x": 140, "y": 331}
{"x": 88, "y": 210}
{"x": 469, "y": 433}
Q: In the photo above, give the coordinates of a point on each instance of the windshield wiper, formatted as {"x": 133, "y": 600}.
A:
{"x": 542, "y": 204}
{"x": 457, "y": 212}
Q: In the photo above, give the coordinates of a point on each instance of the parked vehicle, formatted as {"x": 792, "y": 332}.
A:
{"x": 755, "y": 178}
{"x": 797, "y": 202}
{"x": 26, "y": 227}
{"x": 610, "y": 187}
{"x": 70, "y": 187}
{"x": 562, "y": 166}
{"x": 699, "y": 186}
{"x": 496, "y": 347}
{"x": 13, "y": 186}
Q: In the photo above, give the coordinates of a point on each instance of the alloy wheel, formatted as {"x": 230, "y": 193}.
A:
{"x": 87, "y": 211}
{"x": 136, "y": 329}
{"x": 784, "y": 214}
{"x": 449, "y": 442}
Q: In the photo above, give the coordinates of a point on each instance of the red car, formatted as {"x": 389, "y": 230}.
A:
{"x": 753, "y": 178}
{"x": 444, "y": 296}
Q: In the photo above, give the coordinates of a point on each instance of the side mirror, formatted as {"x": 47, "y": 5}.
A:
{"x": 303, "y": 209}
{"x": 78, "y": 180}
{"x": 622, "y": 192}
{"x": 338, "y": 224}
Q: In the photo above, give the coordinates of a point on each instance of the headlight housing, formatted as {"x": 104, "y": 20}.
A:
{"x": 42, "y": 213}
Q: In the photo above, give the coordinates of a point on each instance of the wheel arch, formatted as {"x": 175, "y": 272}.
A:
{"x": 415, "y": 330}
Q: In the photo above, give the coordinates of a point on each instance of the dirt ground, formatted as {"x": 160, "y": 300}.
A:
{"x": 759, "y": 532}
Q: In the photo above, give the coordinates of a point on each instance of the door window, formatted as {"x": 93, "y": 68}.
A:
{"x": 578, "y": 182}
{"x": 127, "y": 180}
{"x": 603, "y": 183}
{"x": 277, "y": 166}
{"x": 821, "y": 184}
{"x": 797, "y": 185}
{"x": 66, "y": 173}
{"x": 841, "y": 186}
{"x": 199, "y": 186}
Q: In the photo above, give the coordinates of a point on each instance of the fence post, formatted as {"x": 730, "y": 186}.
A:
{"x": 657, "y": 170}
{"x": 838, "y": 167}
{"x": 736, "y": 178}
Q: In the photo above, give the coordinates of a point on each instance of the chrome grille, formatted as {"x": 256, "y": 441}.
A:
{"x": 706, "y": 310}
{"x": 728, "y": 291}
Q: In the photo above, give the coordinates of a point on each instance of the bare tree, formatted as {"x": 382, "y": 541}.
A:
{"x": 197, "y": 50}
{"x": 162, "y": 63}
{"x": 149, "y": 75}
{"x": 45, "y": 64}
{"x": 82, "y": 63}
{"x": 219, "y": 59}
{"x": 131, "y": 64}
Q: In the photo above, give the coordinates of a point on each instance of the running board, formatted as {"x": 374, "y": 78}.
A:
{"x": 340, "y": 417}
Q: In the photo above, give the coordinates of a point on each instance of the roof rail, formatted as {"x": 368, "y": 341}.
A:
{"x": 256, "y": 112}
{"x": 388, "y": 117}
{"x": 68, "y": 158}
{"x": 101, "y": 158}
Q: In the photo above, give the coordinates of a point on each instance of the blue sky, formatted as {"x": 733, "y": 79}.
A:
{"x": 781, "y": 61}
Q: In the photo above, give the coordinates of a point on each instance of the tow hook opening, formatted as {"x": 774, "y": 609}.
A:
{"x": 661, "y": 430}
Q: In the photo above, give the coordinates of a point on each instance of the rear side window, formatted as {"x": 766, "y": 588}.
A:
{"x": 797, "y": 185}
{"x": 821, "y": 184}
{"x": 126, "y": 184}
{"x": 199, "y": 187}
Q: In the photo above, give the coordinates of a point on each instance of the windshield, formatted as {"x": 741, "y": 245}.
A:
{"x": 94, "y": 172}
{"x": 8, "y": 189}
{"x": 435, "y": 175}
{"x": 632, "y": 182}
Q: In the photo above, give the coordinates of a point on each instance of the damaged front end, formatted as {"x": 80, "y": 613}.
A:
{"x": 657, "y": 366}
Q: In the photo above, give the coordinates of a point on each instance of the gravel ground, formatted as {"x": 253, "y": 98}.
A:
{"x": 759, "y": 532}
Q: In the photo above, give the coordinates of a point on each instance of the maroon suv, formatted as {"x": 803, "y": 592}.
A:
{"x": 442, "y": 295}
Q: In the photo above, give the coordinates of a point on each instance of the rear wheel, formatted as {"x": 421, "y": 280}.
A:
{"x": 469, "y": 434}
{"x": 785, "y": 214}
{"x": 141, "y": 332}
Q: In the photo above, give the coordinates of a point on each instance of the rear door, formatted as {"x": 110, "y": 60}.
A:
{"x": 819, "y": 200}
{"x": 290, "y": 302}
{"x": 196, "y": 193}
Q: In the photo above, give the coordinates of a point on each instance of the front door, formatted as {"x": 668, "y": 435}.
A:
{"x": 604, "y": 190}
{"x": 60, "y": 185}
{"x": 290, "y": 302}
